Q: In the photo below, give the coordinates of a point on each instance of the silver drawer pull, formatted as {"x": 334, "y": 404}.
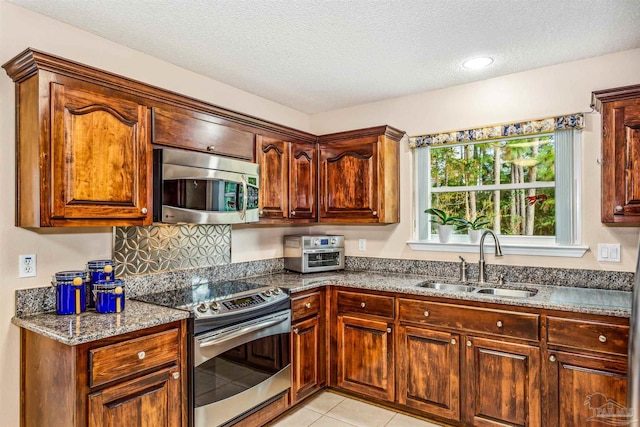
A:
{"x": 602, "y": 338}
{"x": 426, "y": 313}
{"x": 211, "y": 148}
{"x": 141, "y": 355}
{"x": 293, "y": 213}
{"x": 619, "y": 208}
{"x": 552, "y": 358}
{"x": 388, "y": 330}
{"x": 469, "y": 344}
{"x": 453, "y": 341}
{"x": 308, "y": 305}
{"x": 295, "y": 331}
{"x": 499, "y": 323}
{"x": 362, "y": 304}
{"x": 176, "y": 375}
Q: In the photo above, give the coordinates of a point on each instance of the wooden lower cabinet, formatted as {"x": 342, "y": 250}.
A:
{"x": 306, "y": 342}
{"x": 135, "y": 379}
{"x": 365, "y": 357}
{"x": 502, "y": 383}
{"x": 429, "y": 371}
{"x": 583, "y": 386}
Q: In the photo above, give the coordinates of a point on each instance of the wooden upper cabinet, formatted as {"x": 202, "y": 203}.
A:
{"x": 620, "y": 108}
{"x": 182, "y": 128}
{"x": 288, "y": 177}
{"x": 91, "y": 166}
{"x": 359, "y": 176}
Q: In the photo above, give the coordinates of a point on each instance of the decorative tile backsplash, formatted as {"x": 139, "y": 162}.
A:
{"x": 159, "y": 248}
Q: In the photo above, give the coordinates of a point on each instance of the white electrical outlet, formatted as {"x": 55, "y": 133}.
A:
{"x": 362, "y": 245}
{"x": 609, "y": 252}
{"x": 27, "y": 265}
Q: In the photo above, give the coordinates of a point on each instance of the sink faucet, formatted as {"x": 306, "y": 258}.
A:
{"x": 481, "y": 272}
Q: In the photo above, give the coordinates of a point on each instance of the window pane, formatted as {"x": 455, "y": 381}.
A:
{"x": 516, "y": 160}
{"x": 529, "y": 212}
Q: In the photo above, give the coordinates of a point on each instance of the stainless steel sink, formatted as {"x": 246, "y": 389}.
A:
{"x": 515, "y": 293}
{"x": 447, "y": 286}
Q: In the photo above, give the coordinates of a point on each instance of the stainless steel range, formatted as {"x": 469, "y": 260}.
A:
{"x": 238, "y": 348}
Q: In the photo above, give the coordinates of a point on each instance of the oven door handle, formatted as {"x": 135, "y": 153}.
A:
{"x": 236, "y": 333}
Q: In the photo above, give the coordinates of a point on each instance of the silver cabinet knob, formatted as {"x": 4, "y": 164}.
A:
{"x": 295, "y": 331}
{"x": 362, "y": 304}
{"x": 261, "y": 212}
{"x": 602, "y": 338}
{"x": 211, "y": 148}
{"x": 469, "y": 344}
{"x": 176, "y": 375}
{"x": 141, "y": 355}
{"x": 618, "y": 208}
{"x": 308, "y": 305}
{"x": 552, "y": 358}
{"x": 144, "y": 211}
{"x": 426, "y": 313}
{"x": 453, "y": 341}
{"x": 388, "y": 330}
{"x": 293, "y": 213}
{"x": 499, "y": 323}
{"x": 375, "y": 213}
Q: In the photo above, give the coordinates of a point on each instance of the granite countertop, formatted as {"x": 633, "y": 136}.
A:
{"x": 581, "y": 300}
{"x": 91, "y": 326}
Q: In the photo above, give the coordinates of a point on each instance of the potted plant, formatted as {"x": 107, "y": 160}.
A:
{"x": 474, "y": 227}
{"x": 445, "y": 223}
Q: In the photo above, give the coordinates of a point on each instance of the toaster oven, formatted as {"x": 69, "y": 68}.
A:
{"x": 313, "y": 253}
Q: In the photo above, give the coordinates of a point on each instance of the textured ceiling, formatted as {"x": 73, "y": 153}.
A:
{"x": 319, "y": 55}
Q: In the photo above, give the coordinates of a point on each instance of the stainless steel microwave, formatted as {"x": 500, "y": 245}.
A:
{"x": 200, "y": 188}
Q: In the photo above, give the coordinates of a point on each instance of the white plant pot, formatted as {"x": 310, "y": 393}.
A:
{"x": 474, "y": 235}
{"x": 444, "y": 232}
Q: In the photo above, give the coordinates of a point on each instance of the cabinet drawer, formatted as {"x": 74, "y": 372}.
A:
{"x": 196, "y": 131}
{"x": 120, "y": 360}
{"x": 305, "y": 306}
{"x": 497, "y": 322}
{"x": 356, "y": 302}
{"x": 588, "y": 335}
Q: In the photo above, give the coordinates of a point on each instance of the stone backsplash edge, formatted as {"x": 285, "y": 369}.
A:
{"x": 38, "y": 300}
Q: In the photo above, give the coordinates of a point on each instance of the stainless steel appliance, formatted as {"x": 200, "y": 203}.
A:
{"x": 203, "y": 188}
{"x": 313, "y": 253}
{"x": 238, "y": 346}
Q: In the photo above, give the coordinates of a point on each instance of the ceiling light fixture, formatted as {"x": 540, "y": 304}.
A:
{"x": 477, "y": 63}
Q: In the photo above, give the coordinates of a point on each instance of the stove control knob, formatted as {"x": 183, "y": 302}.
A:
{"x": 333, "y": 241}
{"x": 214, "y": 306}
{"x": 276, "y": 291}
{"x": 316, "y": 242}
{"x": 202, "y": 308}
{"x": 267, "y": 292}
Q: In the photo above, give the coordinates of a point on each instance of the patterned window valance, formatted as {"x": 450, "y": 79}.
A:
{"x": 571, "y": 121}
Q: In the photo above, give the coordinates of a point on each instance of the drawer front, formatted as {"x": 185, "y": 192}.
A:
{"x": 496, "y": 322}
{"x": 305, "y": 306}
{"x": 120, "y": 360}
{"x": 588, "y": 335}
{"x": 198, "y": 131}
{"x": 362, "y": 303}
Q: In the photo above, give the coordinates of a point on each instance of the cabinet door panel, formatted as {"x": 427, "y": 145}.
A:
{"x": 365, "y": 357}
{"x": 150, "y": 401}
{"x": 303, "y": 180}
{"x": 349, "y": 185}
{"x": 306, "y": 338}
{"x": 429, "y": 371}
{"x": 273, "y": 158}
{"x": 99, "y": 155}
{"x": 503, "y": 383}
{"x": 581, "y": 387}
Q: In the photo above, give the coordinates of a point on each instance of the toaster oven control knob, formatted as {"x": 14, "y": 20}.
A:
{"x": 333, "y": 241}
{"x": 276, "y": 291}
{"x": 316, "y": 242}
{"x": 267, "y": 292}
{"x": 202, "y": 307}
{"x": 214, "y": 306}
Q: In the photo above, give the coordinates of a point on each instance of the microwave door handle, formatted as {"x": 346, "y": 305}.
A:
{"x": 245, "y": 197}
{"x": 236, "y": 333}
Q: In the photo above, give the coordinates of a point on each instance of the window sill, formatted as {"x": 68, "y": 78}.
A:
{"x": 508, "y": 248}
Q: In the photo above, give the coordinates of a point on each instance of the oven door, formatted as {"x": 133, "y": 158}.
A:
{"x": 240, "y": 367}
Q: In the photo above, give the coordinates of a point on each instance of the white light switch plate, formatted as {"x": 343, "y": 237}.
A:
{"x": 609, "y": 252}
{"x": 362, "y": 245}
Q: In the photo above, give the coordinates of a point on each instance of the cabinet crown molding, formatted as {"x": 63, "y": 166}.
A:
{"x": 387, "y": 131}
{"x": 613, "y": 94}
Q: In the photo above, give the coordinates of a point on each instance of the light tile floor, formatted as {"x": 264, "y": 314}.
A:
{"x": 329, "y": 409}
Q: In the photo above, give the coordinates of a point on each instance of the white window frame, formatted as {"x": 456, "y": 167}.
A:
{"x": 566, "y": 242}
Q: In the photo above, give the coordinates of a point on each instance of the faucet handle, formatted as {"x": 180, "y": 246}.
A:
{"x": 463, "y": 270}
{"x": 500, "y": 279}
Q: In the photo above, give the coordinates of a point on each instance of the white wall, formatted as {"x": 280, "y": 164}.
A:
{"x": 545, "y": 92}
{"x": 58, "y": 250}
